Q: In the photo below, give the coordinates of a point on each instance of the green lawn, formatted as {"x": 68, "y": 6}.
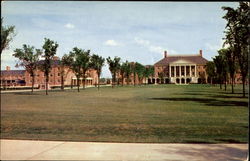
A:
{"x": 160, "y": 114}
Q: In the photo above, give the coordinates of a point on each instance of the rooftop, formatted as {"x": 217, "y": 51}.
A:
{"x": 12, "y": 72}
{"x": 193, "y": 58}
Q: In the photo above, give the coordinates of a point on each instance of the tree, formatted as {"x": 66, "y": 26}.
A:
{"x": 149, "y": 71}
{"x": 97, "y": 62}
{"x": 229, "y": 64}
{"x": 210, "y": 70}
{"x": 244, "y": 40}
{"x": 139, "y": 69}
{"x": 50, "y": 48}
{"x": 28, "y": 58}
{"x": 218, "y": 61}
{"x": 65, "y": 63}
{"x": 237, "y": 35}
{"x": 161, "y": 76}
{"x": 114, "y": 66}
{"x": 75, "y": 55}
{"x": 128, "y": 70}
{"x": 123, "y": 71}
{"x": 7, "y": 34}
{"x": 85, "y": 64}
{"x": 133, "y": 70}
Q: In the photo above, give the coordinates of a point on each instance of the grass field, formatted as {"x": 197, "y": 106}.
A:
{"x": 160, "y": 114}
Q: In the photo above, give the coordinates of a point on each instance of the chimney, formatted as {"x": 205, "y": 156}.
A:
{"x": 165, "y": 54}
{"x": 201, "y": 53}
{"x": 7, "y": 68}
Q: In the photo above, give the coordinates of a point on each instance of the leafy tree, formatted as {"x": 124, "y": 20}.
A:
{"x": 210, "y": 70}
{"x": 123, "y": 71}
{"x": 65, "y": 64}
{"x": 128, "y": 70}
{"x": 140, "y": 69}
{"x": 237, "y": 35}
{"x": 114, "y": 66}
{"x": 219, "y": 65}
{"x": 133, "y": 70}
{"x": 28, "y": 58}
{"x": 161, "y": 76}
{"x": 85, "y": 64}
{"x": 7, "y": 34}
{"x": 50, "y": 48}
{"x": 149, "y": 71}
{"x": 229, "y": 64}
{"x": 97, "y": 62}
{"x": 76, "y": 64}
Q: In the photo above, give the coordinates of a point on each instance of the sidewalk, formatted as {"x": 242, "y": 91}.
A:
{"x": 57, "y": 150}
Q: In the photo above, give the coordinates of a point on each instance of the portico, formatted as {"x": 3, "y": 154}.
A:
{"x": 182, "y": 72}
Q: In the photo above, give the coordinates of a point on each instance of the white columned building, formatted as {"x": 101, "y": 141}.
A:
{"x": 182, "y": 69}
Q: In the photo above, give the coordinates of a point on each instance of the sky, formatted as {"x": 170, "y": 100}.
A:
{"x": 134, "y": 31}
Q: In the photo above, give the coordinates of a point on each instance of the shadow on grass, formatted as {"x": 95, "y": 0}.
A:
{"x": 228, "y": 140}
{"x": 206, "y": 101}
{"x": 211, "y": 95}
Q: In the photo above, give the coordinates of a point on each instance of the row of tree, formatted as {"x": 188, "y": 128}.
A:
{"x": 79, "y": 61}
{"x": 234, "y": 58}
{"x": 127, "y": 70}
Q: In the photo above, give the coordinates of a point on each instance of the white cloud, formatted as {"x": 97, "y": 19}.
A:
{"x": 69, "y": 26}
{"x": 112, "y": 43}
{"x": 216, "y": 47}
{"x": 141, "y": 41}
{"x": 151, "y": 47}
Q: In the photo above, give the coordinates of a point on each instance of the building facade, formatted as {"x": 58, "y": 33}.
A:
{"x": 13, "y": 78}
{"x": 181, "y": 69}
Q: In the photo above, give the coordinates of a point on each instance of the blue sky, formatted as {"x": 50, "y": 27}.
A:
{"x": 134, "y": 31}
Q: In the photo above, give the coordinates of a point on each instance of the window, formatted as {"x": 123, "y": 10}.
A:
{"x": 51, "y": 75}
{"x": 59, "y": 80}
{"x": 58, "y": 74}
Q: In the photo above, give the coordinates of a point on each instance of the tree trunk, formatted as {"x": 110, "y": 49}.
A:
{"x": 225, "y": 83}
{"x": 33, "y": 81}
{"x": 134, "y": 79}
{"x": 122, "y": 79}
{"x": 84, "y": 79}
{"x": 113, "y": 80}
{"x": 78, "y": 84}
{"x": 46, "y": 84}
{"x": 98, "y": 81}
{"x": 62, "y": 82}
{"x": 71, "y": 84}
{"x": 211, "y": 81}
{"x": 243, "y": 83}
{"x": 220, "y": 84}
{"x": 232, "y": 85}
{"x": 128, "y": 80}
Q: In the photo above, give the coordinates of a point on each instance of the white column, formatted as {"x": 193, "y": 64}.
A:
{"x": 174, "y": 71}
{"x": 169, "y": 71}
{"x": 185, "y": 68}
{"x": 190, "y": 74}
{"x": 179, "y": 71}
{"x": 195, "y": 70}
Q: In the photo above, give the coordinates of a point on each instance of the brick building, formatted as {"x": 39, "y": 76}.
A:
{"x": 181, "y": 69}
{"x": 11, "y": 78}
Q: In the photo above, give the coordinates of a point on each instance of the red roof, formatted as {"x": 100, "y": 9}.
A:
{"x": 12, "y": 72}
{"x": 196, "y": 59}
